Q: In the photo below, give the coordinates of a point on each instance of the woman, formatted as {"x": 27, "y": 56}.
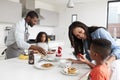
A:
{"x": 81, "y": 35}
{"x": 42, "y": 40}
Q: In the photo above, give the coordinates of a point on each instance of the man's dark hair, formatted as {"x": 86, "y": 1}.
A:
{"x": 101, "y": 46}
{"x": 32, "y": 14}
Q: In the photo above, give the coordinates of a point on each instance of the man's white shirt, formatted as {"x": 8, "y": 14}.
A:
{"x": 17, "y": 34}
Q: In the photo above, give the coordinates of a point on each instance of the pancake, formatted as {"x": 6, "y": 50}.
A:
{"x": 47, "y": 65}
{"x": 72, "y": 70}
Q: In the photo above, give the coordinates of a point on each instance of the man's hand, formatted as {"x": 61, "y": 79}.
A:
{"x": 41, "y": 50}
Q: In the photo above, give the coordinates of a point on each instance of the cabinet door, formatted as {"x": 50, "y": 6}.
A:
{"x": 10, "y": 12}
{"x": 50, "y": 18}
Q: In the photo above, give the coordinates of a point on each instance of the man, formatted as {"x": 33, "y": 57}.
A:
{"x": 18, "y": 35}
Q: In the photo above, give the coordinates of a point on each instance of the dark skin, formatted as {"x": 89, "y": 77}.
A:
{"x": 31, "y": 22}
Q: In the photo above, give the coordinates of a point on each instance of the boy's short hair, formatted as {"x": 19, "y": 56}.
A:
{"x": 101, "y": 46}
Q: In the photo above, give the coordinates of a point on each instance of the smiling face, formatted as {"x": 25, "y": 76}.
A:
{"x": 79, "y": 33}
{"x": 43, "y": 37}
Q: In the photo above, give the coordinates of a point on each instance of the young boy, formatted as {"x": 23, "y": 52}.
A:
{"x": 99, "y": 51}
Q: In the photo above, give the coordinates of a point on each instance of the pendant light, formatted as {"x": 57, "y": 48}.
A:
{"x": 70, "y": 4}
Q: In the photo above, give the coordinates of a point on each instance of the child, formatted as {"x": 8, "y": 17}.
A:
{"x": 99, "y": 51}
{"x": 42, "y": 40}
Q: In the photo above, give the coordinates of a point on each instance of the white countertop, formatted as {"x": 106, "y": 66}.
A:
{"x": 16, "y": 69}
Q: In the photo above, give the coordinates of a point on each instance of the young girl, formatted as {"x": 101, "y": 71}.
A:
{"x": 42, "y": 40}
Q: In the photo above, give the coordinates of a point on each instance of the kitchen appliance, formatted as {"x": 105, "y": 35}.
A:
{"x": 51, "y": 37}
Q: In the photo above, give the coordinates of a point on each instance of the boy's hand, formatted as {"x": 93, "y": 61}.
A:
{"x": 82, "y": 58}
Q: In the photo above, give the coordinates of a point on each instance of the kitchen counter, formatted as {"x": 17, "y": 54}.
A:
{"x": 16, "y": 69}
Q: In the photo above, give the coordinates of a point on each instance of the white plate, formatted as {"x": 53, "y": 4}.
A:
{"x": 52, "y": 59}
{"x": 39, "y": 65}
{"x": 63, "y": 72}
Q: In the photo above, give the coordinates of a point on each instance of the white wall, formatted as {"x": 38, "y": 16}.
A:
{"x": 37, "y": 28}
{"x": 15, "y": 1}
{"x": 39, "y": 4}
{"x": 90, "y": 13}
{"x": 10, "y": 12}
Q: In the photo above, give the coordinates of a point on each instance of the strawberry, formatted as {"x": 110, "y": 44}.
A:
{"x": 80, "y": 56}
{"x": 60, "y": 48}
{"x": 59, "y": 51}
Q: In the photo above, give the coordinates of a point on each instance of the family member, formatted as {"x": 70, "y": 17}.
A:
{"x": 42, "y": 40}
{"x": 81, "y": 36}
{"x": 18, "y": 35}
{"x": 99, "y": 51}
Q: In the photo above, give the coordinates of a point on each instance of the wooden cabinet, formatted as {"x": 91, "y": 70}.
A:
{"x": 49, "y": 18}
{"x": 10, "y": 12}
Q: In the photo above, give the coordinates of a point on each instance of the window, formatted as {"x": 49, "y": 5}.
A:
{"x": 74, "y": 17}
{"x": 113, "y": 18}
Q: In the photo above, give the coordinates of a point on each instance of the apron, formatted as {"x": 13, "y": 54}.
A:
{"x": 13, "y": 50}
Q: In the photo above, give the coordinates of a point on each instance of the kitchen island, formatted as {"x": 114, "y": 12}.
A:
{"x": 17, "y": 69}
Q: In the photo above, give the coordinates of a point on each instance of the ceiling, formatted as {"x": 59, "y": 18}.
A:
{"x": 61, "y": 2}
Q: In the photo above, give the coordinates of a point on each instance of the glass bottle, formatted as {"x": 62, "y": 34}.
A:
{"x": 31, "y": 57}
{"x": 59, "y": 53}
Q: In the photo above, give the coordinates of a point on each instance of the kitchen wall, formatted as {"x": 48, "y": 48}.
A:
{"x": 39, "y": 4}
{"x": 10, "y": 11}
{"x": 37, "y": 28}
{"x": 91, "y": 13}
